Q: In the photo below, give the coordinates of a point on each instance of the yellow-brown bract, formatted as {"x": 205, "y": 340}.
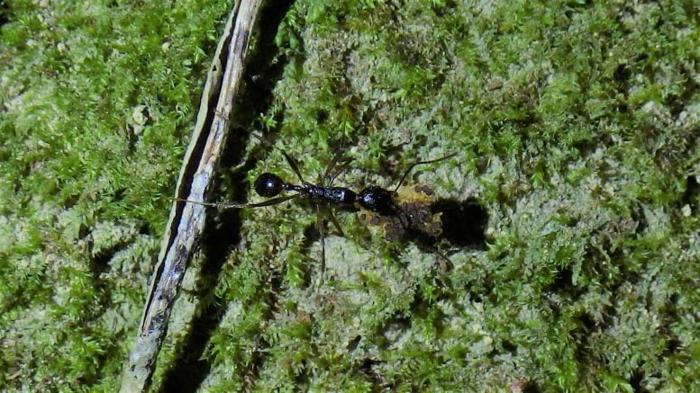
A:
{"x": 414, "y": 218}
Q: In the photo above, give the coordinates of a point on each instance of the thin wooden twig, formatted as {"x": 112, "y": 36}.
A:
{"x": 186, "y": 222}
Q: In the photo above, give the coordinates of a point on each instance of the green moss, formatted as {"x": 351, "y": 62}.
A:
{"x": 575, "y": 126}
{"x": 96, "y": 107}
{"x": 572, "y": 134}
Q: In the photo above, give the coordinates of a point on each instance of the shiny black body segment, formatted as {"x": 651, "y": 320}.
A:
{"x": 333, "y": 195}
{"x": 378, "y": 200}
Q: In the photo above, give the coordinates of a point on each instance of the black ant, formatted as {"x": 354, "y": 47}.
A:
{"x": 373, "y": 198}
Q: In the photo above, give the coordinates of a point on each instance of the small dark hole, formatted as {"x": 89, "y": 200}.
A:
{"x": 563, "y": 280}
{"x": 119, "y": 194}
{"x": 509, "y": 346}
{"x": 367, "y": 368}
{"x": 587, "y": 322}
{"x": 691, "y": 192}
{"x": 100, "y": 262}
{"x": 563, "y": 284}
{"x": 445, "y": 9}
{"x": 672, "y": 346}
{"x": 531, "y": 387}
{"x": 4, "y": 13}
{"x": 636, "y": 380}
{"x": 621, "y": 74}
{"x": 145, "y": 229}
{"x": 482, "y": 292}
{"x": 321, "y": 116}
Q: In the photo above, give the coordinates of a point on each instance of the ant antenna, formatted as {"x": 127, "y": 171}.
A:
{"x": 410, "y": 168}
{"x": 269, "y": 202}
{"x": 290, "y": 160}
{"x": 293, "y": 163}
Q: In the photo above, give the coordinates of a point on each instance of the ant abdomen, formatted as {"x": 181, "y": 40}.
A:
{"x": 268, "y": 185}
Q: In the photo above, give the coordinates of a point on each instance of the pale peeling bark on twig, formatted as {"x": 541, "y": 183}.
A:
{"x": 186, "y": 222}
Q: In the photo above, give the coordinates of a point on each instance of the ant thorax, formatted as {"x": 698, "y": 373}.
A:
{"x": 412, "y": 216}
{"x": 337, "y": 195}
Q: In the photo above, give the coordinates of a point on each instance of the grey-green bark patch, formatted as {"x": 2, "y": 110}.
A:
{"x": 576, "y": 127}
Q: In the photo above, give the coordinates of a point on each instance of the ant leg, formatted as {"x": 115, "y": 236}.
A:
{"x": 269, "y": 202}
{"x": 253, "y": 154}
{"x": 326, "y": 174}
{"x": 446, "y": 264}
{"x": 322, "y": 235}
{"x": 335, "y": 222}
{"x": 337, "y": 173}
{"x": 333, "y": 170}
{"x": 292, "y": 163}
{"x": 410, "y": 168}
{"x": 261, "y": 138}
{"x": 338, "y": 148}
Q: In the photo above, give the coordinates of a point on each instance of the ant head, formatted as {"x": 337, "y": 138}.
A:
{"x": 268, "y": 185}
{"x": 378, "y": 200}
